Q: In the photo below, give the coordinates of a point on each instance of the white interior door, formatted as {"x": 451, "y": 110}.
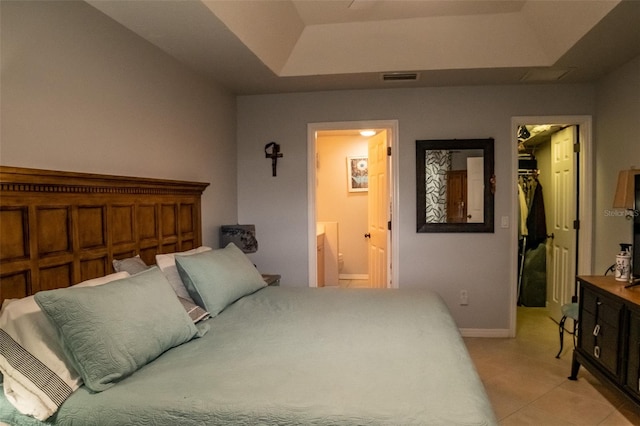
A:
{"x": 562, "y": 256}
{"x": 378, "y": 206}
{"x": 475, "y": 190}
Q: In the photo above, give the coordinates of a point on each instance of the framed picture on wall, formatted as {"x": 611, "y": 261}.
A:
{"x": 358, "y": 173}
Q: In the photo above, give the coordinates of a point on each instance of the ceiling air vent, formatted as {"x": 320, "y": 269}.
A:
{"x": 545, "y": 74}
{"x": 400, "y": 76}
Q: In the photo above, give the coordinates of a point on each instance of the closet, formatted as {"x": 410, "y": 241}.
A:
{"x": 532, "y": 279}
{"x": 550, "y": 156}
{"x": 532, "y": 231}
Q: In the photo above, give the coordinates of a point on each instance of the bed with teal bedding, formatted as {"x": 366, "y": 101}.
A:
{"x": 290, "y": 356}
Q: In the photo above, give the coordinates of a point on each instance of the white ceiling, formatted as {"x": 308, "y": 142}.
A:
{"x": 272, "y": 46}
{"x": 345, "y": 11}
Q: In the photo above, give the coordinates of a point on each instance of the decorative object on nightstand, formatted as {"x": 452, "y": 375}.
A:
{"x": 626, "y": 196}
{"x": 243, "y": 236}
{"x": 271, "y": 279}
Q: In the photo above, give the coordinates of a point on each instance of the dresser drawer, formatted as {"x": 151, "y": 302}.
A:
{"x": 590, "y": 302}
{"x": 607, "y": 344}
{"x": 600, "y": 325}
{"x": 586, "y": 339}
{"x": 609, "y": 312}
{"x": 609, "y": 334}
{"x": 633, "y": 362}
{"x": 600, "y": 341}
{"x": 605, "y": 309}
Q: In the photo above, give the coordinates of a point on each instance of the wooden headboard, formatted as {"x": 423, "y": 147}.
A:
{"x": 60, "y": 228}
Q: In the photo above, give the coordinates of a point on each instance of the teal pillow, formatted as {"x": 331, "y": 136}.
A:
{"x": 112, "y": 330}
{"x": 217, "y": 278}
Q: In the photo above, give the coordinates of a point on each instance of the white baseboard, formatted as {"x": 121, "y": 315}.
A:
{"x": 485, "y": 332}
{"x": 354, "y": 276}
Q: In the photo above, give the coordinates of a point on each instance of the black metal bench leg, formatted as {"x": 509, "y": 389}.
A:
{"x": 562, "y": 321}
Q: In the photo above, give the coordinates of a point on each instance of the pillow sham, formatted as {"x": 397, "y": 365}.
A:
{"x": 196, "y": 313}
{"x": 110, "y": 331}
{"x": 217, "y": 278}
{"x": 167, "y": 264}
{"x": 38, "y": 377}
{"x": 132, "y": 265}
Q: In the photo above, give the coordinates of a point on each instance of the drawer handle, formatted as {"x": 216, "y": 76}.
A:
{"x": 596, "y": 330}
{"x": 596, "y": 351}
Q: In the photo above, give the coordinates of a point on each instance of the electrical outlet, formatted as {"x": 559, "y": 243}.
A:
{"x": 504, "y": 222}
{"x": 464, "y": 298}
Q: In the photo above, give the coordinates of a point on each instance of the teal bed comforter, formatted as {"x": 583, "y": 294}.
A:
{"x": 290, "y": 356}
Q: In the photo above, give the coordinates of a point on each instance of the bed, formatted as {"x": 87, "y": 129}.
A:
{"x": 262, "y": 355}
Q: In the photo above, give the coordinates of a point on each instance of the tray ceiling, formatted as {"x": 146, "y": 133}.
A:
{"x": 271, "y": 46}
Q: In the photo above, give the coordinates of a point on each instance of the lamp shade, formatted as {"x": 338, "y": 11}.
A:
{"x": 243, "y": 236}
{"x": 625, "y": 196}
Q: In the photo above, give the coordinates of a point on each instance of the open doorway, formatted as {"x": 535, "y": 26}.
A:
{"x": 351, "y": 203}
{"x": 553, "y": 161}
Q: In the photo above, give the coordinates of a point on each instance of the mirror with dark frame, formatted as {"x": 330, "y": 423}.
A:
{"x": 455, "y": 185}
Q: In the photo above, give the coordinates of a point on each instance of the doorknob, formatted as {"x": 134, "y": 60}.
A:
{"x": 367, "y": 235}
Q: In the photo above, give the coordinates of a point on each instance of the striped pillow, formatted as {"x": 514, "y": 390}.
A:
{"x": 38, "y": 378}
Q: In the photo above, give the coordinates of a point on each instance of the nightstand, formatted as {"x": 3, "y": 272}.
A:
{"x": 270, "y": 279}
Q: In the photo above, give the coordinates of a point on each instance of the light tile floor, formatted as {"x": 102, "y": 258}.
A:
{"x": 354, "y": 283}
{"x": 527, "y": 385}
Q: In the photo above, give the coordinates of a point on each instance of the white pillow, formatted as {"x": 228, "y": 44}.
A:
{"x": 167, "y": 264}
{"x": 38, "y": 378}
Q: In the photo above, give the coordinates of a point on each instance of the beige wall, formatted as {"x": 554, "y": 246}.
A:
{"x": 446, "y": 263}
{"x": 617, "y": 141}
{"x": 335, "y": 204}
{"x": 82, "y": 93}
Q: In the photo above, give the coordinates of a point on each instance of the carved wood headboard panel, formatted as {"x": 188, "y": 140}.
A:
{"x": 60, "y": 228}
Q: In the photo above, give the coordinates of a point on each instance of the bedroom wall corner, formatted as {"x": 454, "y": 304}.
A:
{"x": 82, "y": 93}
{"x": 617, "y": 147}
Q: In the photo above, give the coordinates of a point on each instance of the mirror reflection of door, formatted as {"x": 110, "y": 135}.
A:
{"x": 456, "y": 196}
{"x": 475, "y": 189}
{"x": 454, "y": 181}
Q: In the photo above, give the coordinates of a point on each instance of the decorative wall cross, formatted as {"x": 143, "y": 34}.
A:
{"x": 274, "y": 155}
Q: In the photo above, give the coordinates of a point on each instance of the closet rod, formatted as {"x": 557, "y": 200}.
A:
{"x": 526, "y": 172}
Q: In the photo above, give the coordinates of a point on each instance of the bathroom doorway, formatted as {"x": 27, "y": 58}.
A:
{"x": 351, "y": 203}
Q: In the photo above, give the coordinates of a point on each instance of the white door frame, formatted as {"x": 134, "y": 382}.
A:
{"x": 392, "y": 128}
{"x": 585, "y": 210}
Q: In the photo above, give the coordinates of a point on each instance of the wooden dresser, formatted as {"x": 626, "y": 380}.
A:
{"x": 609, "y": 334}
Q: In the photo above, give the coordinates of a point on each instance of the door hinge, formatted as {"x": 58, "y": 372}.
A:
{"x": 576, "y": 147}
{"x": 576, "y": 224}
{"x": 389, "y": 151}
{"x": 389, "y": 225}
